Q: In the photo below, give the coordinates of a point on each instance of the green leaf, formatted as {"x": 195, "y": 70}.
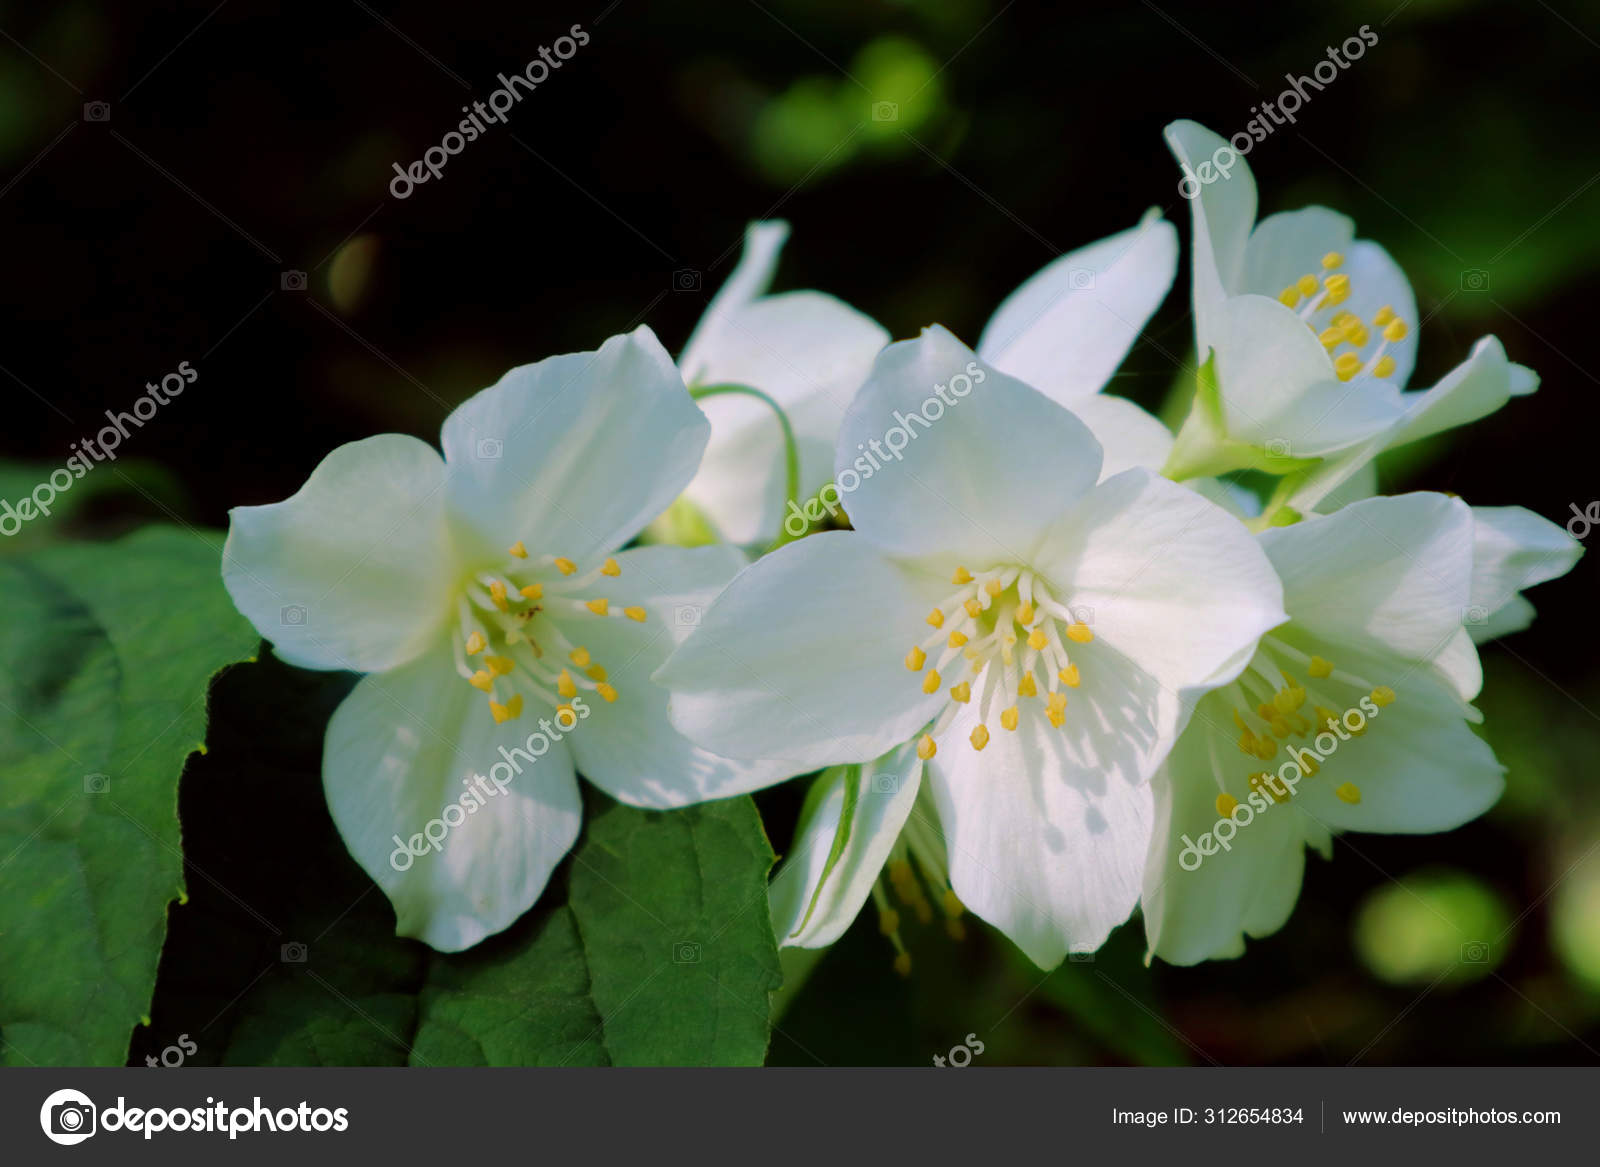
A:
{"x": 105, "y": 654}
{"x": 651, "y": 946}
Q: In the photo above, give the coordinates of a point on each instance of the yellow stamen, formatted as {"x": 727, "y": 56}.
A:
{"x": 980, "y": 737}
{"x": 1320, "y": 668}
{"x": 902, "y": 964}
{"x": 916, "y": 658}
{"x": 482, "y": 680}
{"x": 888, "y": 921}
{"x": 533, "y": 591}
{"x": 1037, "y": 640}
{"x": 936, "y": 618}
{"x": 992, "y": 586}
{"x": 974, "y": 607}
{"x": 962, "y": 576}
{"x": 596, "y": 673}
{"x": 957, "y": 638}
{"x": 566, "y": 686}
{"x": 1332, "y": 260}
{"x": 598, "y": 606}
{"x": 1347, "y": 366}
{"x": 476, "y": 643}
{"x": 610, "y": 568}
{"x": 1350, "y": 793}
{"x": 1384, "y": 367}
{"x": 517, "y": 549}
{"x": 635, "y": 613}
{"x": 566, "y": 716}
{"x": 962, "y": 692}
{"x": 926, "y": 747}
{"x": 1331, "y": 337}
{"x": 1226, "y": 805}
{"x": 607, "y": 693}
{"x": 499, "y": 666}
{"x": 1383, "y": 696}
{"x": 580, "y": 657}
{"x": 1008, "y": 718}
{"x": 931, "y": 682}
{"x": 1395, "y": 330}
{"x": 1385, "y": 314}
{"x": 1078, "y": 632}
{"x": 1027, "y": 686}
{"x": 1025, "y": 614}
{"x": 1070, "y": 676}
{"x": 1307, "y": 284}
{"x": 565, "y": 566}
{"x": 1289, "y": 297}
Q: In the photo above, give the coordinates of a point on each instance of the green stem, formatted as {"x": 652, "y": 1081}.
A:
{"x": 791, "y": 449}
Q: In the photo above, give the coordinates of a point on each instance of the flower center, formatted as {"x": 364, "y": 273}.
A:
{"x": 1336, "y": 329}
{"x": 1267, "y": 713}
{"x": 1011, "y": 633}
{"x": 510, "y": 643}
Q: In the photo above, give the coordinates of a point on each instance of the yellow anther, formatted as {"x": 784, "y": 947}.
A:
{"x": 1266, "y": 749}
{"x": 533, "y": 591}
{"x": 1383, "y": 696}
{"x": 961, "y": 692}
{"x": 902, "y": 964}
{"x": 936, "y": 618}
{"x": 514, "y": 637}
{"x": 1248, "y": 744}
{"x": 1261, "y": 782}
{"x": 1265, "y": 711}
{"x": 499, "y": 666}
{"x": 1027, "y": 686}
{"x": 1056, "y": 717}
{"x": 1286, "y": 701}
{"x": 566, "y": 686}
{"x": 610, "y": 568}
{"x": 1395, "y": 330}
{"x": 565, "y": 566}
{"x": 1339, "y": 282}
{"x": 1078, "y": 632}
{"x": 1289, "y": 297}
{"x": 514, "y": 705}
{"x": 1037, "y": 640}
{"x": 1226, "y": 805}
{"x": 596, "y": 673}
{"x": 1008, "y": 718}
{"x": 566, "y": 716}
{"x": 598, "y": 606}
{"x": 1385, "y": 314}
{"x": 962, "y": 576}
{"x": 498, "y": 711}
{"x": 926, "y": 747}
{"x": 957, "y": 638}
{"x": 511, "y": 709}
{"x": 518, "y": 550}
{"x": 1056, "y": 702}
{"x": 931, "y": 682}
{"x": 1331, "y": 337}
{"x": 1025, "y": 613}
{"x": 916, "y": 658}
{"x": 1347, "y": 366}
{"x": 974, "y": 607}
{"x": 1280, "y": 727}
{"x": 1326, "y": 718}
{"x": 482, "y": 680}
{"x": 1350, "y": 793}
{"x": 635, "y": 613}
{"x": 1320, "y": 668}
{"x": 1306, "y": 284}
{"x": 1332, "y": 260}
{"x": 1337, "y": 295}
{"x": 900, "y": 874}
{"x": 980, "y": 737}
{"x": 1308, "y": 763}
{"x": 888, "y": 921}
{"x": 1384, "y": 367}
{"x": 1357, "y": 334}
{"x": 1070, "y": 676}
{"x": 607, "y": 693}
{"x": 993, "y": 586}
{"x": 476, "y": 643}
{"x": 497, "y": 593}
{"x": 580, "y": 657}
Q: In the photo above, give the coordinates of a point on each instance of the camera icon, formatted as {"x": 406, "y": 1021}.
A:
{"x": 1475, "y": 952}
{"x": 686, "y": 616}
{"x": 686, "y": 279}
{"x": 292, "y": 616}
{"x": 885, "y": 111}
{"x": 1278, "y": 448}
{"x": 1080, "y": 279}
{"x": 96, "y": 783}
{"x": 885, "y": 784}
{"x": 1477, "y": 614}
{"x": 292, "y": 953}
{"x": 292, "y": 281}
{"x": 1474, "y": 279}
{"x": 67, "y": 1117}
{"x": 490, "y": 449}
{"x": 1082, "y": 613}
{"x": 686, "y": 952}
{"x": 96, "y": 111}
{"x": 1081, "y": 957}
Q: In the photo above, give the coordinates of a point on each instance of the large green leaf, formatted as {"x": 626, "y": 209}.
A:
{"x": 652, "y": 945}
{"x": 105, "y": 655}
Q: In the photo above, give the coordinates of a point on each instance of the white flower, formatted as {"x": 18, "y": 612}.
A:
{"x": 1375, "y": 594}
{"x": 1037, "y": 636}
{"x": 1314, "y": 338}
{"x": 504, "y": 643}
{"x": 1067, "y": 328}
{"x": 807, "y": 351}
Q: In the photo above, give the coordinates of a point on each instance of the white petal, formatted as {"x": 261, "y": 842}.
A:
{"x": 802, "y": 657}
{"x": 1047, "y": 830}
{"x": 1390, "y": 575}
{"x": 1291, "y": 244}
{"x": 575, "y": 454}
{"x": 810, "y": 913}
{"x": 1376, "y": 281}
{"x": 1067, "y": 328}
{"x": 629, "y": 747}
{"x": 810, "y": 353}
{"x": 402, "y": 749}
{"x": 1167, "y": 578}
{"x": 356, "y": 569}
{"x": 1475, "y": 388}
{"x": 980, "y": 478}
{"x": 1458, "y": 661}
{"x": 1199, "y": 906}
{"x": 1224, "y": 212}
{"x": 763, "y": 242}
{"x": 1128, "y": 435}
{"x": 1513, "y": 549}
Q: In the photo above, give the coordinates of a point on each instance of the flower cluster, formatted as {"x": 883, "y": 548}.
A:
{"x": 1054, "y": 644}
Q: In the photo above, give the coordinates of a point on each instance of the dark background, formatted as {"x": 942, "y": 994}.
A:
{"x": 248, "y": 139}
